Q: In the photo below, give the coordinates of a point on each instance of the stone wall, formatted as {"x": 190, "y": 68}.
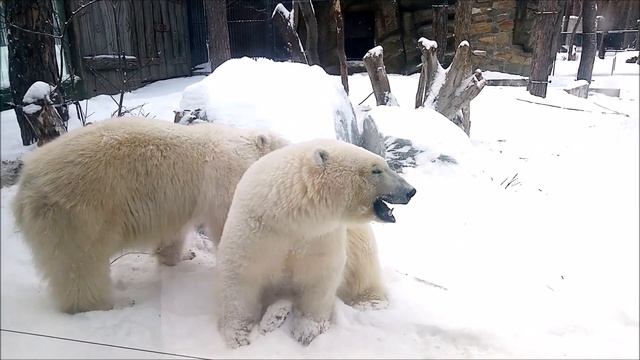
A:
{"x": 499, "y": 29}
{"x": 492, "y": 32}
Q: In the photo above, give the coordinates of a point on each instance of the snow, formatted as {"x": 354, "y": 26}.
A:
{"x": 39, "y": 90}
{"x": 546, "y": 267}
{"x": 110, "y": 56}
{"x": 298, "y": 101}
{"x": 428, "y": 44}
{"x": 376, "y": 51}
{"x": 31, "y": 109}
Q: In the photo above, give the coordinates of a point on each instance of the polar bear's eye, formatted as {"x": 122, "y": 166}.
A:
{"x": 376, "y": 171}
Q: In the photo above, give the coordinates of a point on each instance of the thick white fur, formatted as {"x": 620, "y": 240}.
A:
{"x": 126, "y": 183}
{"x": 286, "y": 234}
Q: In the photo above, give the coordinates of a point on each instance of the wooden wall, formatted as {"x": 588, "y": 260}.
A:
{"x": 155, "y": 32}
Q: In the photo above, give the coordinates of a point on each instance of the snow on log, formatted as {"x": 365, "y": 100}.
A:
{"x": 283, "y": 20}
{"x": 38, "y": 107}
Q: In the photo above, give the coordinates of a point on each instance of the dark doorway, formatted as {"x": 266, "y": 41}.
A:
{"x": 359, "y": 32}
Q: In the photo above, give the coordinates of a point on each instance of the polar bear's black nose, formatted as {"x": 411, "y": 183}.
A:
{"x": 411, "y": 193}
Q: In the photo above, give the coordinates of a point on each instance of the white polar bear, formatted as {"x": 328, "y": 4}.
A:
{"x": 286, "y": 233}
{"x": 126, "y": 183}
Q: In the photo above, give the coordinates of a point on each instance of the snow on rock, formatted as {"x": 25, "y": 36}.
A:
{"x": 432, "y": 134}
{"x": 429, "y": 44}
{"x": 37, "y": 91}
{"x": 298, "y": 101}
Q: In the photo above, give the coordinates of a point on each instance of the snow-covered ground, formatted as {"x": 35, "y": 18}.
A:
{"x": 544, "y": 267}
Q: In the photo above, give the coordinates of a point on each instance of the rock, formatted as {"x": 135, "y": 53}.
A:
{"x": 400, "y": 153}
{"x": 10, "y": 172}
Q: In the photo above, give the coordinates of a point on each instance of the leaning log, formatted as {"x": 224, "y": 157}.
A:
{"x": 283, "y": 20}
{"x": 374, "y": 63}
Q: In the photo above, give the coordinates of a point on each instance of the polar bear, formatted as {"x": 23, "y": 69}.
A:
{"x": 286, "y": 232}
{"x": 122, "y": 183}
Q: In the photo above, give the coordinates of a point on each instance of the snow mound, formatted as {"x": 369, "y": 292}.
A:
{"x": 429, "y": 131}
{"x": 298, "y": 101}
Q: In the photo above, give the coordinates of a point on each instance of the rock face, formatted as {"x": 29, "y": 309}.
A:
{"x": 500, "y": 28}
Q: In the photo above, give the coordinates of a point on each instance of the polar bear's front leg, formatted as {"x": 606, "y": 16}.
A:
{"x": 240, "y": 312}
{"x": 317, "y": 273}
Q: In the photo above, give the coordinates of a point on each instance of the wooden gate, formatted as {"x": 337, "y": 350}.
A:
{"x": 153, "y": 34}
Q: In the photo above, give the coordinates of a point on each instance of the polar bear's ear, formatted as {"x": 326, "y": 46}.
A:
{"x": 262, "y": 141}
{"x": 321, "y": 156}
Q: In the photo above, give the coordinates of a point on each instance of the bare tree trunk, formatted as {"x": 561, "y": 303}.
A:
{"x": 284, "y": 22}
{"x": 440, "y": 28}
{"x": 462, "y": 30}
{"x": 463, "y": 20}
{"x": 571, "y": 56}
{"x": 31, "y": 58}
{"x": 587, "y": 58}
{"x": 342, "y": 57}
{"x": 543, "y": 32}
{"x": 218, "y": 32}
{"x": 373, "y": 61}
{"x": 449, "y": 91}
{"x": 309, "y": 14}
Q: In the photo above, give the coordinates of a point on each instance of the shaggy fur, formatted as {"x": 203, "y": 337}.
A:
{"x": 126, "y": 183}
{"x": 286, "y": 233}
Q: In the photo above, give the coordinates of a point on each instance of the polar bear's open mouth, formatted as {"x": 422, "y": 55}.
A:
{"x": 383, "y": 212}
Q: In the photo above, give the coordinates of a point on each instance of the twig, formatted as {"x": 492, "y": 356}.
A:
{"x": 563, "y": 107}
{"x": 423, "y": 281}
{"x": 614, "y": 111}
{"x": 365, "y": 99}
{"x": 128, "y": 253}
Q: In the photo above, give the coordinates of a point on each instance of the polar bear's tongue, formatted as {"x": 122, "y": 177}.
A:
{"x": 383, "y": 212}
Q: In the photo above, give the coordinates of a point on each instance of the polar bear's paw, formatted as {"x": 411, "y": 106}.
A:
{"x": 305, "y": 329}
{"x": 237, "y": 334}
{"x": 274, "y": 316}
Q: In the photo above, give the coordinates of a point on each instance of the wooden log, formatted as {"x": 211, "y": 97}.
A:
{"x": 342, "y": 57}
{"x": 283, "y": 20}
{"x": 430, "y": 68}
{"x": 374, "y": 63}
{"x": 41, "y": 114}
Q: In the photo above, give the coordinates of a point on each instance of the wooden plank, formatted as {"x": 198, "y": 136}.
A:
{"x": 167, "y": 42}
{"x": 184, "y": 38}
{"x": 158, "y": 40}
{"x": 149, "y": 40}
{"x": 139, "y": 43}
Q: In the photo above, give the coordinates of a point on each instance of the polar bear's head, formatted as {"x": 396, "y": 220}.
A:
{"x": 359, "y": 180}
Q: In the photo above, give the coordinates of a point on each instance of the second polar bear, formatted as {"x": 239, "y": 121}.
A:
{"x": 286, "y": 232}
{"x": 125, "y": 183}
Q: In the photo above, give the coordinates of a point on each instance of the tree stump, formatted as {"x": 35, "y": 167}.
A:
{"x": 449, "y": 91}
{"x": 374, "y": 63}
{"x": 41, "y": 114}
{"x": 283, "y": 20}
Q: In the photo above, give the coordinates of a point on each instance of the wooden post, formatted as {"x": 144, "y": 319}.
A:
{"x": 373, "y": 61}
{"x": 342, "y": 57}
{"x": 638, "y": 41}
{"x": 543, "y": 32}
{"x": 440, "y": 28}
{"x": 585, "y": 69}
{"x": 282, "y": 19}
